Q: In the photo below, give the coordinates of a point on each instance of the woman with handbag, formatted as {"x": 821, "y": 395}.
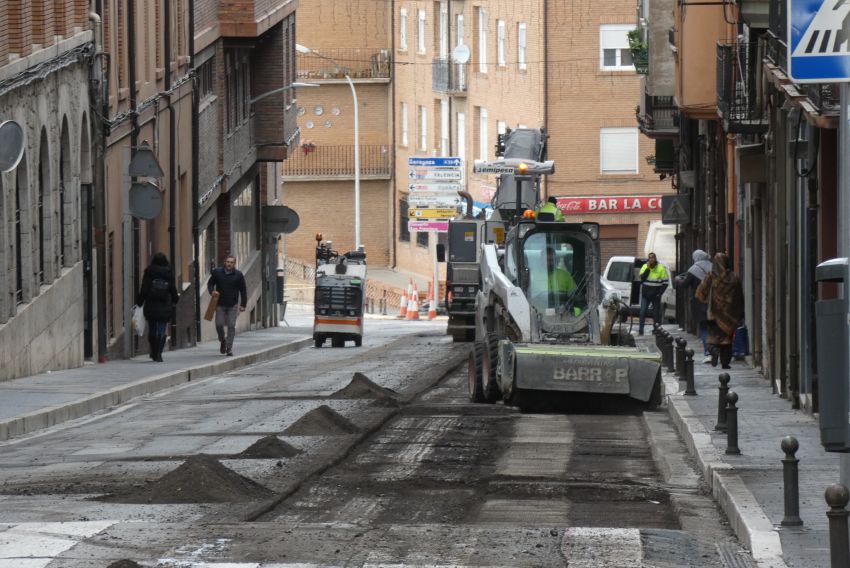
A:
{"x": 721, "y": 290}
{"x": 158, "y": 296}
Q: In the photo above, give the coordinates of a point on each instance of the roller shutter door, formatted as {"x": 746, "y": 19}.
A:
{"x": 616, "y": 240}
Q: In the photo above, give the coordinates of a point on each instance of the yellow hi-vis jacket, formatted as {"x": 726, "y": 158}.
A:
{"x": 655, "y": 280}
{"x": 551, "y": 208}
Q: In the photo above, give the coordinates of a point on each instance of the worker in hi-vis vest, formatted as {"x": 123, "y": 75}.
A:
{"x": 654, "y": 280}
{"x": 551, "y": 206}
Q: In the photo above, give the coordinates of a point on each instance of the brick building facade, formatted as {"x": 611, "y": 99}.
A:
{"x": 563, "y": 66}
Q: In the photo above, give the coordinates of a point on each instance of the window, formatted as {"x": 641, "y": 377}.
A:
{"x": 242, "y": 223}
{"x": 444, "y": 127}
{"x": 423, "y": 128}
{"x": 482, "y": 40}
{"x": 483, "y": 143}
{"x": 420, "y": 35}
{"x": 402, "y": 29}
{"x": 20, "y": 204}
{"x": 403, "y": 229}
{"x": 618, "y": 150}
{"x": 520, "y": 56}
{"x": 404, "y": 137}
{"x": 443, "y": 30}
{"x": 206, "y": 78}
{"x": 500, "y": 45}
{"x": 461, "y": 135}
{"x": 614, "y": 51}
{"x": 237, "y": 78}
{"x": 207, "y": 245}
{"x": 422, "y": 239}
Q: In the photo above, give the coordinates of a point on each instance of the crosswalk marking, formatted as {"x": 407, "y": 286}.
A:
{"x": 35, "y": 545}
{"x": 585, "y": 547}
{"x": 826, "y": 34}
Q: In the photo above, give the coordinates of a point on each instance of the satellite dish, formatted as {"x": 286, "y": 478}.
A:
{"x": 280, "y": 219}
{"x": 145, "y": 200}
{"x": 461, "y": 53}
{"x": 11, "y": 145}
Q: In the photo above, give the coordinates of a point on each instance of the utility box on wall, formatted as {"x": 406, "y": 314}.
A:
{"x": 833, "y": 357}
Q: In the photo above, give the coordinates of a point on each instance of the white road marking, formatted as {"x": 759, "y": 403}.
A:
{"x": 35, "y": 545}
{"x": 585, "y": 547}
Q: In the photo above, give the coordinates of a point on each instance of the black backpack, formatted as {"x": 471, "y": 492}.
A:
{"x": 159, "y": 291}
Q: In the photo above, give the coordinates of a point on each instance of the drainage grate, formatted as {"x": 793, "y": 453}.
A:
{"x": 734, "y": 557}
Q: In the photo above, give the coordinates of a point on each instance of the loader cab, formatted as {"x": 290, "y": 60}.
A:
{"x": 555, "y": 264}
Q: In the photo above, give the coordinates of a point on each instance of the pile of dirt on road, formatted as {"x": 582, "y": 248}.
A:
{"x": 270, "y": 447}
{"x": 125, "y": 564}
{"x": 322, "y": 421}
{"x": 200, "y": 479}
{"x": 361, "y": 387}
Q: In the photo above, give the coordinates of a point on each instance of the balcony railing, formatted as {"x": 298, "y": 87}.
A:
{"x": 824, "y": 97}
{"x": 448, "y": 77}
{"x": 319, "y": 161}
{"x": 777, "y": 52}
{"x": 736, "y": 89}
{"x": 356, "y": 63}
{"x": 658, "y": 116}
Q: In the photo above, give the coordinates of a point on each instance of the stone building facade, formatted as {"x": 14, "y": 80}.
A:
{"x": 47, "y": 317}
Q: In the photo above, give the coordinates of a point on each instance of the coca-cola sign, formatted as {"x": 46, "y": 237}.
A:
{"x": 609, "y": 204}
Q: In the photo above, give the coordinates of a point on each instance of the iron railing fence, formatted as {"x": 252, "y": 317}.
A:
{"x": 366, "y": 63}
{"x": 736, "y": 88}
{"x": 310, "y": 160}
{"x": 448, "y": 77}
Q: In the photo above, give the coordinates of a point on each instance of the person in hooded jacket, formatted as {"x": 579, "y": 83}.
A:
{"x": 157, "y": 296}
{"x": 692, "y": 279}
{"x": 721, "y": 290}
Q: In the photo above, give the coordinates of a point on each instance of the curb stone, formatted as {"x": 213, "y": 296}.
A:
{"x": 51, "y": 416}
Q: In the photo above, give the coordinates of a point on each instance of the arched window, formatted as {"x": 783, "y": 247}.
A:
{"x": 65, "y": 191}
{"x": 20, "y": 205}
{"x": 41, "y": 207}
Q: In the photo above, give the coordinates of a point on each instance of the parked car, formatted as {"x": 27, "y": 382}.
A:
{"x": 622, "y": 274}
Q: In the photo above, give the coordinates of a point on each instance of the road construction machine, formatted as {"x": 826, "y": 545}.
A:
{"x": 540, "y": 321}
{"x": 339, "y": 295}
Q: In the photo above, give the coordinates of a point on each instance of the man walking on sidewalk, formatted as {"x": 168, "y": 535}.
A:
{"x": 229, "y": 283}
{"x": 654, "y": 280}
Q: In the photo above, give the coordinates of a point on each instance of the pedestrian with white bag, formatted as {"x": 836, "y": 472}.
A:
{"x": 158, "y": 297}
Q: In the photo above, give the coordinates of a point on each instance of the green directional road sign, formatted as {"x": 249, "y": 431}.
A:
{"x": 675, "y": 209}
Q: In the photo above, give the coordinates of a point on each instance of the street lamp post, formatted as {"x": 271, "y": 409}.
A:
{"x": 357, "y": 244}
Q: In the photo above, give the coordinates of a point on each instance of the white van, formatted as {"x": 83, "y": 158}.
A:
{"x": 661, "y": 239}
{"x": 621, "y": 271}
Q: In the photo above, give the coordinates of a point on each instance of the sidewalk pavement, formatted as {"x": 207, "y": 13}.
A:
{"x": 749, "y": 487}
{"x": 33, "y": 403}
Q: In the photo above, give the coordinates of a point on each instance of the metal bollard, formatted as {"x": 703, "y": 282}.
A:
{"x": 656, "y": 331}
{"x": 681, "y": 343}
{"x": 662, "y": 335}
{"x": 690, "y": 388}
{"x": 837, "y": 497}
{"x": 790, "y": 445}
{"x": 671, "y": 362}
{"x": 723, "y": 390}
{"x": 732, "y": 424}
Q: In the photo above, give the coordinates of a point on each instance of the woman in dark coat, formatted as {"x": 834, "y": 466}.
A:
{"x": 692, "y": 279}
{"x": 158, "y": 297}
{"x": 721, "y": 290}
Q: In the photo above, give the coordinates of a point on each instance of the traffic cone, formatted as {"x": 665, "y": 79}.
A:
{"x": 432, "y": 302}
{"x": 402, "y": 307}
{"x": 416, "y": 302}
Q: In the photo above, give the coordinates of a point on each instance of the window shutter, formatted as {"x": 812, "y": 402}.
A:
{"x": 618, "y": 150}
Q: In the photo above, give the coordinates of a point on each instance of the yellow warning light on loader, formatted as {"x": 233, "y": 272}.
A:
{"x": 522, "y": 168}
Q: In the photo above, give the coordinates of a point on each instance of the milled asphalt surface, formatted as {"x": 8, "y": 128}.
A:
{"x": 748, "y": 487}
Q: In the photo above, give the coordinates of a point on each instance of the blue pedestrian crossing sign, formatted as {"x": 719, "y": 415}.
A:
{"x": 819, "y": 41}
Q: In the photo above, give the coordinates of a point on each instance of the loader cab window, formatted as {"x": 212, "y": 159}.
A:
{"x": 511, "y": 269}
{"x": 554, "y": 274}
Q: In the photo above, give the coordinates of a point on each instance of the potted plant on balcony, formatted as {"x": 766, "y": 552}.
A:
{"x": 639, "y": 50}
{"x": 307, "y": 147}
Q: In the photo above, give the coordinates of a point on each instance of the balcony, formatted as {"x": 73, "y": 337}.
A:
{"x": 359, "y": 64}
{"x": 658, "y": 116}
{"x": 315, "y": 162}
{"x": 737, "y": 103}
{"x": 448, "y": 77}
{"x": 824, "y": 97}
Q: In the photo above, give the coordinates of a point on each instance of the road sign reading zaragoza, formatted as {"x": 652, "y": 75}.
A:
{"x": 819, "y": 41}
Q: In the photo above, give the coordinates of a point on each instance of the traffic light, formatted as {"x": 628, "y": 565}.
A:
{"x": 501, "y": 140}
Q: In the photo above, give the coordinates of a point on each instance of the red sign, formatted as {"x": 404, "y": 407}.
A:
{"x": 609, "y": 204}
